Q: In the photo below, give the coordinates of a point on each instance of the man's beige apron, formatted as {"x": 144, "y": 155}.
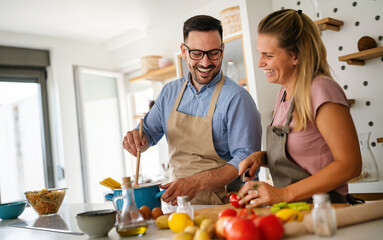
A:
{"x": 191, "y": 146}
{"x": 283, "y": 171}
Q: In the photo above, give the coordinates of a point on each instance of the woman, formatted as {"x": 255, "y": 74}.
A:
{"x": 312, "y": 145}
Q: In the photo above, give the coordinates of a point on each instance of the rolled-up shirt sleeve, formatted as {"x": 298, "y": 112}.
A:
{"x": 153, "y": 123}
{"x": 244, "y": 128}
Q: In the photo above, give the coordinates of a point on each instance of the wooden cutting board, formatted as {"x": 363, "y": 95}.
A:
{"x": 212, "y": 212}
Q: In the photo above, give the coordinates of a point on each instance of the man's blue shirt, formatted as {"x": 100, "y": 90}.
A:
{"x": 237, "y": 127}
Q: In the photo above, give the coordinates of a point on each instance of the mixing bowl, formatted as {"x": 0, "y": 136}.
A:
{"x": 12, "y": 209}
{"x": 46, "y": 201}
{"x": 96, "y": 223}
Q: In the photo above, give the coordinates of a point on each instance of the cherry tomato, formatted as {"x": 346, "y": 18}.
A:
{"x": 241, "y": 229}
{"x": 246, "y": 213}
{"x": 270, "y": 226}
{"x": 229, "y": 212}
{"x": 234, "y": 199}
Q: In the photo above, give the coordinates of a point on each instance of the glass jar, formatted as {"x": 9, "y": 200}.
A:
{"x": 184, "y": 206}
{"x": 323, "y": 216}
{"x": 232, "y": 71}
{"x": 129, "y": 220}
{"x": 369, "y": 166}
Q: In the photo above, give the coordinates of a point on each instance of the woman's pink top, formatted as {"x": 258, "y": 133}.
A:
{"x": 307, "y": 147}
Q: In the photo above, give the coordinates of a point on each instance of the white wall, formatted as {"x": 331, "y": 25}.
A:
{"x": 165, "y": 38}
{"x": 63, "y": 117}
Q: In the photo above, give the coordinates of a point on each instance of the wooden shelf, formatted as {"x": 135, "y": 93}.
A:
{"x": 379, "y": 140}
{"x": 350, "y": 102}
{"x": 359, "y": 57}
{"x": 161, "y": 74}
{"x": 329, "y": 24}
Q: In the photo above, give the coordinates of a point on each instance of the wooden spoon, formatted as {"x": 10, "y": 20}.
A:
{"x": 138, "y": 157}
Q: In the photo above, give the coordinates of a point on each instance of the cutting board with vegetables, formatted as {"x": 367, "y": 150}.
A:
{"x": 212, "y": 212}
{"x": 345, "y": 215}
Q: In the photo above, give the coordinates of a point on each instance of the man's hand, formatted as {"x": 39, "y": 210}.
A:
{"x": 253, "y": 162}
{"x": 207, "y": 180}
{"x": 132, "y": 144}
{"x": 180, "y": 187}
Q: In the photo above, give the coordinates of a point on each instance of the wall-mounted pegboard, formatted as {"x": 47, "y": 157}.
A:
{"x": 363, "y": 84}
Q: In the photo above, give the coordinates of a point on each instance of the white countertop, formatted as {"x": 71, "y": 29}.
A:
{"x": 369, "y": 230}
{"x": 366, "y": 187}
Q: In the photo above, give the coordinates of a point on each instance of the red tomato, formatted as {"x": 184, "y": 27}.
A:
{"x": 220, "y": 227}
{"x": 270, "y": 226}
{"x": 229, "y": 212}
{"x": 234, "y": 201}
{"x": 241, "y": 229}
{"x": 246, "y": 213}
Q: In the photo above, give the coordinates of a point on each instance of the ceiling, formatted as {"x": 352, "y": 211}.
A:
{"x": 88, "y": 20}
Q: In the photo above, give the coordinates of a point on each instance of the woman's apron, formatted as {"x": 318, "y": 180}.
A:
{"x": 191, "y": 146}
{"x": 283, "y": 171}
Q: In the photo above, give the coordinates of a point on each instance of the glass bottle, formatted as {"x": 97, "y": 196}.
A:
{"x": 323, "y": 216}
{"x": 232, "y": 71}
{"x": 184, "y": 206}
{"x": 320, "y": 8}
{"x": 129, "y": 220}
{"x": 369, "y": 166}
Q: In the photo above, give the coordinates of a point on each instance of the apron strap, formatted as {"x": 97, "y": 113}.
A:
{"x": 214, "y": 97}
{"x": 275, "y": 113}
{"x": 179, "y": 97}
{"x": 289, "y": 118}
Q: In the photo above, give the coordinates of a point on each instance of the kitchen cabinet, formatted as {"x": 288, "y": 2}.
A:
{"x": 234, "y": 50}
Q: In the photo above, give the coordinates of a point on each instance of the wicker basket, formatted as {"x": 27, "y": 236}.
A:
{"x": 231, "y": 20}
{"x": 149, "y": 63}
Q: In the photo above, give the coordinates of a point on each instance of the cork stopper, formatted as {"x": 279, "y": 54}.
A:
{"x": 126, "y": 183}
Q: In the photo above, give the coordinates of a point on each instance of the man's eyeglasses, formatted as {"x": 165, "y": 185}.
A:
{"x": 213, "y": 54}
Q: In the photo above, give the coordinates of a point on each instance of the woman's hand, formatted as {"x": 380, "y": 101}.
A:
{"x": 252, "y": 162}
{"x": 261, "y": 193}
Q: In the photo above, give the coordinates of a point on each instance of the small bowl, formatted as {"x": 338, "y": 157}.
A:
{"x": 12, "y": 210}
{"x": 96, "y": 223}
{"x": 46, "y": 201}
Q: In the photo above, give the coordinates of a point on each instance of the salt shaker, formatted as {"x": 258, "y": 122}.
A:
{"x": 323, "y": 215}
{"x": 184, "y": 206}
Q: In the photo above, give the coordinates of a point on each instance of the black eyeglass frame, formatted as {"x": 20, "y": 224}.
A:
{"x": 204, "y": 52}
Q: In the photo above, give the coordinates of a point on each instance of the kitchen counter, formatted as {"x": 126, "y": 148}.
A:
{"x": 66, "y": 217}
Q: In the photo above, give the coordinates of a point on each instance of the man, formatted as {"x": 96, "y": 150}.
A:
{"x": 211, "y": 123}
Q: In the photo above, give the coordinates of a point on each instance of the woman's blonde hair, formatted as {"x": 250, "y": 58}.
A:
{"x": 297, "y": 33}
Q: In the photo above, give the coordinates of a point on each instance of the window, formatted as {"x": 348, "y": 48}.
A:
{"x": 25, "y": 148}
